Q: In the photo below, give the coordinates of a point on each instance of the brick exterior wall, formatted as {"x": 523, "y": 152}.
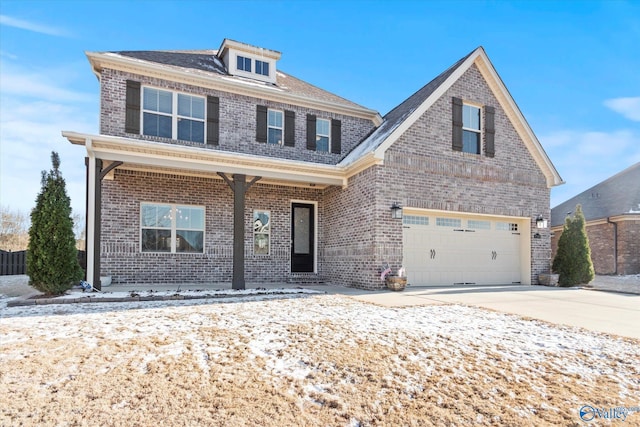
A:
{"x": 601, "y": 242}
{"x": 122, "y": 258}
{"x": 237, "y": 120}
{"x": 356, "y": 234}
{"x": 422, "y": 171}
{"x": 629, "y": 247}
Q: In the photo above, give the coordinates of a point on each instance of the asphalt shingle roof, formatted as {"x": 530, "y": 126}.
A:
{"x": 617, "y": 195}
{"x": 207, "y": 62}
{"x": 399, "y": 114}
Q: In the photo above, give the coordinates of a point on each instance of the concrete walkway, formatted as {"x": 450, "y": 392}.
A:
{"x": 607, "y": 312}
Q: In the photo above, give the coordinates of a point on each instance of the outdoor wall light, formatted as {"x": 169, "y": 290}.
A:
{"x": 541, "y": 222}
{"x": 396, "y": 211}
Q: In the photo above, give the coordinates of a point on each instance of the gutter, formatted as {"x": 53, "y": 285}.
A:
{"x": 615, "y": 244}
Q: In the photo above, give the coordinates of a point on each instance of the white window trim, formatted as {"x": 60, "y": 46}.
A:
{"x": 234, "y": 70}
{"x": 263, "y": 62}
{"x": 275, "y": 127}
{"x": 481, "y": 123}
{"x": 328, "y": 135}
{"x": 174, "y": 113}
{"x": 174, "y": 228}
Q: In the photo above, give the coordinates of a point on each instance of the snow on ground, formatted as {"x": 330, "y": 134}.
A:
{"x": 303, "y": 360}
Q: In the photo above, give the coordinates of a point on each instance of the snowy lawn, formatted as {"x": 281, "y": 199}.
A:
{"x": 302, "y": 360}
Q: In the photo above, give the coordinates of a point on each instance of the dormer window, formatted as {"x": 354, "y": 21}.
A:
{"x": 248, "y": 61}
{"x": 262, "y": 68}
{"x": 244, "y": 64}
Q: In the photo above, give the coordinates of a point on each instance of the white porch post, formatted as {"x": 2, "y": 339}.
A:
{"x": 91, "y": 196}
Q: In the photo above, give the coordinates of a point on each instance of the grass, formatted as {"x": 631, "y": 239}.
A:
{"x": 303, "y": 362}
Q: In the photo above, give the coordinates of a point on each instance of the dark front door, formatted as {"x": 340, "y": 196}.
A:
{"x": 302, "y": 237}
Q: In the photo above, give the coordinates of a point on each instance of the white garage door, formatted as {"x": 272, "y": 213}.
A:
{"x": 452, "y": 250}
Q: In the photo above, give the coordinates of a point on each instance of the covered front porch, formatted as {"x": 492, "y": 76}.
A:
{"x": 126, "y": 177}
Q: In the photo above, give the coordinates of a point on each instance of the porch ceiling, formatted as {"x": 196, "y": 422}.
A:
{"x": 194, "y": 161}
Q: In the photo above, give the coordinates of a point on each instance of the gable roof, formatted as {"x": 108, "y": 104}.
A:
{"x": 398, "y": 120}
{"x": 206, "y": 69}
{"x": 617, "y": 195}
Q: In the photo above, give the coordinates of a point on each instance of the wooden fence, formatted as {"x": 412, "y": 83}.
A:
{"x": 12, "y": 263}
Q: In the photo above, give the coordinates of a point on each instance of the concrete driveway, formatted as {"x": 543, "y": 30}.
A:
{"x": 606, "y": 312}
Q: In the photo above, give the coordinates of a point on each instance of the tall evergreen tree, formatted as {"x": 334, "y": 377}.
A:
{"x": 573, "y": 258}
{"x": 52, "y": 257}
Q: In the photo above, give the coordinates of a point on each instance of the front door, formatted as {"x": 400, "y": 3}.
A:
{"x": 302, "y": 238}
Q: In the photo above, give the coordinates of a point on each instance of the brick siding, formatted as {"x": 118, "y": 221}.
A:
{"x": 601, "y": 243}
{"x": 237, "y": 120}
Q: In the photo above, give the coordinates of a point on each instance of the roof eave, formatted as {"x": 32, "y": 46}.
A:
{"x": 207, "y": 161}
{"x": 99, "y": 61}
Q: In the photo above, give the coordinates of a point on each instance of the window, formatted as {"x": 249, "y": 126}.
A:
{"x": 157, "y": 112}
{"x": 261, "y": 232}
{"x": 323, "y": 137}
{"x": 176, "y": 117}
{"x": 243, "y": 64}
{"x": 262, "y": 68}
{"x": 479, "y": 225}
{"x": 470, "y": 129}
{"x": 171, "y": 228}
{"x": 448, "y": 222}
{"x": 415, "y": 220}
{"x": 506, "y": 226}
{"x": 274, "y": 127}
{"x": 190, "y": 118}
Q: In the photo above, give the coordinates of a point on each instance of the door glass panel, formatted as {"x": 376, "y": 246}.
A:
{"x": 301, "y": 218}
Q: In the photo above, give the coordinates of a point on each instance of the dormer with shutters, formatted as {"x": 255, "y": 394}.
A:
{"x": 244, "y": 60}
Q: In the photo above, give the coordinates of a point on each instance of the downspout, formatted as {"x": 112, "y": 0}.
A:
{"x": 615, "y": 244}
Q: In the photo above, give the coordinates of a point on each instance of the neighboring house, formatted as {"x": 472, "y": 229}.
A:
{"x": 612, "y": 218}
{"x": 215, "y": 166}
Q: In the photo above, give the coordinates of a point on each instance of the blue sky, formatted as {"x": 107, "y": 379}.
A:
{"x": 571, "y": 66}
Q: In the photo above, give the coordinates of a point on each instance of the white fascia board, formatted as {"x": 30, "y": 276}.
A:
{"x": 206, "y": 160}
{"x": 516, "y": 117}
{"x": 226, "y": 84}
{"x": 418, "y": 112}
{"x": 479, "y": 57}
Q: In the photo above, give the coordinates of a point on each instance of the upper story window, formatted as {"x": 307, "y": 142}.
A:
{"x": 169, "y": 115}
{"x": 244, "y": 64}
{"x": 471, "y": 129}
{"x": 274, "y": 127}
{"x": 323, "y": 135}
{"x": 262, "y": 68}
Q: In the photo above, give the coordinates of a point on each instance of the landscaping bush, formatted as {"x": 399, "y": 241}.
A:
{"x": 52, "y": 258}
{"x": 573, "y": 258}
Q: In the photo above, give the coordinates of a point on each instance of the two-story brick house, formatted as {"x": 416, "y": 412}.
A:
{"x": 206, "y": 154}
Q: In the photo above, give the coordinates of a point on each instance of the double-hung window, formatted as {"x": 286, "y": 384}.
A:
{"x": 323, "y": 135}
{"x": 471, "y": 129}
{"x": 157, "y": 113}
{"x": 173, "y": 115}
{"x": 171, "y": 228}
{"x": 274, "y": 126}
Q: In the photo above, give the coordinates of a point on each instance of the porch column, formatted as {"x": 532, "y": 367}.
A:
{"x": 96, "y": 175}
{"x": 239, "y": 186}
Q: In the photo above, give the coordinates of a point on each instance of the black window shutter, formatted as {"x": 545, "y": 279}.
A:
{"x": 213, "y": 120}
{"x": 336, "y": 136}
{"x": 289, "y": 128}
{"x": 132, "y": 115}
{"x": 489, "y": 131}
{"x": 261, "y": 123}
{"x": 311, "y": 132}
{"x": 457, "y": 124}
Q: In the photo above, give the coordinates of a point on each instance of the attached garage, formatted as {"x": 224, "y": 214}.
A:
{"x": 441, "y": 248}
